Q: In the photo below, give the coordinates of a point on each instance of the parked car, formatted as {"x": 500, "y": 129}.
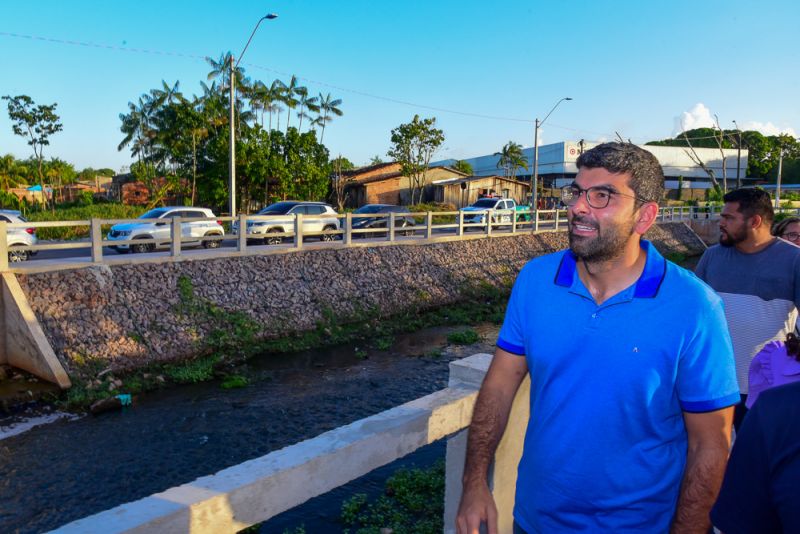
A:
{"x": 317, "y": 217}
{"x": 503, "y": 207}
{"x": 192, "y": 232}
{"x": 18, "y": 237}
{"x": 403, "y": 220}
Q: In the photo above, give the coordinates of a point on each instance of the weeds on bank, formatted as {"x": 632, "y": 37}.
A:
{"x": 464, "y": 337}
{"x": 235, "y": 337}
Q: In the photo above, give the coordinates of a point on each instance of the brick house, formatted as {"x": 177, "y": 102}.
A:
{"x": 383, "y": 184}
{"x": 464, "y": 191}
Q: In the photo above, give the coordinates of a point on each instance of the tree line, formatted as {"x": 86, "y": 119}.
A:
{"x": 181, "y": 143}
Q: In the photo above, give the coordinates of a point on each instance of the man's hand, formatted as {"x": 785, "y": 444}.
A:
{"x": 477, "y": 506}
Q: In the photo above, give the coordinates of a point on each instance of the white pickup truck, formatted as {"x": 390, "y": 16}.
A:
{"x": 503, "y": 210}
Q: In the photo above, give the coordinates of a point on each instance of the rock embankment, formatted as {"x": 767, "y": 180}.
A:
{"x": 131, "y": 316}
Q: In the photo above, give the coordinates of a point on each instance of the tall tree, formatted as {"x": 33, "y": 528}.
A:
{"x": 413, "y": 146}
{"x": 289, "y": 99}
{"x": 512, "y": 159}
{"x": 306, "y": 103}
{"x": 36, "y": 123}
{"x": 329, "y": 108}
{"x": 462, "y": 166}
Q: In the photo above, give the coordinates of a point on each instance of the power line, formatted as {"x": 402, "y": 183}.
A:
{"x": 309, "y": 80}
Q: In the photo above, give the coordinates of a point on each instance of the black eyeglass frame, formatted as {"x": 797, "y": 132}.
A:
{"x": 787, "y": 235}
{"x": 574, "y": 191}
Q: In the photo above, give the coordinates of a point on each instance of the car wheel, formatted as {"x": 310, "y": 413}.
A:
{"x": 276, "y": 239}
{"x": 140, "y": 248}
{"x": 215, "y": 242}
{"x": 405, "y": 232}
{"x": 328, "y": 237}
{"x": 16, "y": 256}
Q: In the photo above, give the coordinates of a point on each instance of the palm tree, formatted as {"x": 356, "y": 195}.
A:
{"x": 511, "y": 159}
{"x": 329, "y": 108}
{"x": 277, "y": 89}
{"x": 306, "y": 103}
{"x": 289, "y": 99}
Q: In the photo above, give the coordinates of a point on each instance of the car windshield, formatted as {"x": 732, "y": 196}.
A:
{"x": 152, "y": 214}
{"x": 279, "y": 208}
{"x": 21, "y": 218}
{"x": 485, "y": 203}
{"x": 370, "y": 208}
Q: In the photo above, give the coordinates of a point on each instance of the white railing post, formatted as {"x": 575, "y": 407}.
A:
{"x": 390, "y": 233}
{"x": 428, "y": 225}
{"x": 460, "y": 218}
{"x": 556, "y": 219}
{"x": 298, "y": 230}
{"x": 488, "y": 219}
{"x": 97, "y": 240}
{"x": 535, "y": 214}
{"x": 3, "y": 246}
{"x": 175, "y": 233}
{"x": 514, "y": 221}
{"x": 348, "y": 229}
{"x": 241, "y": 242}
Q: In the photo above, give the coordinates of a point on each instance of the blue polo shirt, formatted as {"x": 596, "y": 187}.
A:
{"x": 605, "y": 446}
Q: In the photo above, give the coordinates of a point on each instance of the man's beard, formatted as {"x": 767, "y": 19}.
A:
{"x": 607, "y": 245}
{"x": 727, "y": 239}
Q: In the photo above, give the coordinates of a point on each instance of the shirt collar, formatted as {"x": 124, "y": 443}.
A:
{"x": 648, "y": 284}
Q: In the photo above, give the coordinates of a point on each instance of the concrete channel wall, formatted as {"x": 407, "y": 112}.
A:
{"x": 124, "y": 317}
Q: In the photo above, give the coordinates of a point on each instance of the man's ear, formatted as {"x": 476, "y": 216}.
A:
{"x": 646, "y": 217}
{"x": 755, "y": 221}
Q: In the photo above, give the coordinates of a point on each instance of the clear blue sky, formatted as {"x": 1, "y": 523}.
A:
{"x": 631, "y": 67}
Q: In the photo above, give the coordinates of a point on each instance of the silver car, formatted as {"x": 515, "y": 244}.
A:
{"x": 192, "y": 232}
{"x": 317, "y": 217}
{"x": 18, "y": 237}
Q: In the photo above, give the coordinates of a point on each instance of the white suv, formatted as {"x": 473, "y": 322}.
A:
{"x": 503, "y": 210}
{"x": 18, "y": 237}
{"x": 192, "y": 232}
{"x": 317, "y": 217}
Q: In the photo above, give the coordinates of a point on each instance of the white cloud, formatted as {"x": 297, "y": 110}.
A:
{"x": 697, "y": 117}
{"x": 767, "y": 128}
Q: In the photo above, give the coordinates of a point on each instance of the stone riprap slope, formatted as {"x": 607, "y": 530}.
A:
{"x": 131, "y": 316}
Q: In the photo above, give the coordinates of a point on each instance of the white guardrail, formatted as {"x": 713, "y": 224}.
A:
{"x": 430, "y": 226}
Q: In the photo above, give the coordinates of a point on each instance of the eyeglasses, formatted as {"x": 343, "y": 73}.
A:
{"x": 791, "y": 236}
{"x": 597, "y": 197}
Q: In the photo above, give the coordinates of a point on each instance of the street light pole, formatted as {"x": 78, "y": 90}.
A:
{"x": 232, "y": 144}
{"x": 535, "y": 181}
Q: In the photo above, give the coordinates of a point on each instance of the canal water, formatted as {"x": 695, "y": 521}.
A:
{"x": 56, "y": 468}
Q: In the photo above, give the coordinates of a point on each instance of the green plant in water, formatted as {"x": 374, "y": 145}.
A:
{"x": 234, "y": 382}
{"x": 464, "y": 337}
{"x": 384, "y": 342}
{"x": 413, "y": 502}
{"x": 197, "y": 370}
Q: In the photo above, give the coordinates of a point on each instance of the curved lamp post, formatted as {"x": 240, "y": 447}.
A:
{"x": 232, "y": 146}
{"x": 535, "y": 181}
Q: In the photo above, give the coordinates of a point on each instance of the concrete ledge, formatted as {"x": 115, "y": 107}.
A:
{"x": 24, "y": 344}
{"x": 469, "y": 371}
{"x": 254, "y": 491}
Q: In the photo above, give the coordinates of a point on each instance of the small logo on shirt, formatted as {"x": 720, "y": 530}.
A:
{"x": 635, "y": 349}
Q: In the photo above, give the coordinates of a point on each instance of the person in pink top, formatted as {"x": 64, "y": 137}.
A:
{"x": 775, "y": 365}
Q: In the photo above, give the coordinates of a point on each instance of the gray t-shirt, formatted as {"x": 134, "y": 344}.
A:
{"x": 761, "y": 293}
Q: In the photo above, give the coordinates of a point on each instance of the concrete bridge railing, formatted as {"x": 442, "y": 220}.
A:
{"x": 255, "y": 491}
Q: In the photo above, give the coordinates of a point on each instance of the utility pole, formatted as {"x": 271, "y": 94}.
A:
{"x": 738, "y": 156}
{"x": 778, "y": 186}
{"x": 232, "y": 144}
{"x": 535, "y": 180}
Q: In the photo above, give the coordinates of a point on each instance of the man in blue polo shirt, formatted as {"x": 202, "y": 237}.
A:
{"x": 631, "y": 367}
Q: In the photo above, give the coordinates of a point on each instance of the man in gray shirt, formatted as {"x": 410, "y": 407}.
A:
{"x": 756, "y": 274}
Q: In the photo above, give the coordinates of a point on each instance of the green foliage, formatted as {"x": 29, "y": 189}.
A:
{"x": 464, "y": 337}
{"x": 413, "y": 503}
{"x": 424, "y": 207}
{"x": 463, "y": 166}
{"x": 384, "y": 342}
{"x": 198, "y": 370}
{"x": 512, "y": 159}
{"x": 413, "y": 146}
{"x": 234, "y": 382}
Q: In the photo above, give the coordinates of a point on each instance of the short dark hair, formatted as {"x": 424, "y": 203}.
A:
{"x": 752, "y": 201}
{"x": 779, "y": 228}
{"x": 647, "y": 176}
